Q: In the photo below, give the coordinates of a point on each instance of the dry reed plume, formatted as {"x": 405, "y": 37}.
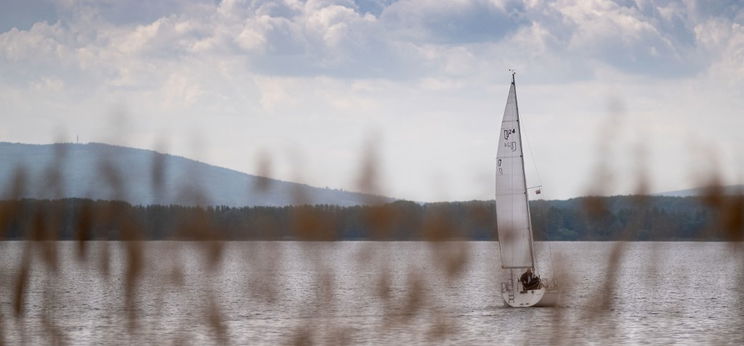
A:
{"x": 403, "y": 301}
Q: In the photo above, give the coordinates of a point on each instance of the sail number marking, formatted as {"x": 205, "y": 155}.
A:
{"x": 510, "y": 144}
{"x": 509, "y": 132}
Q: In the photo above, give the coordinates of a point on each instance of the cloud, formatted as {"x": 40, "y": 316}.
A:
{"x": 407, "y": 39}
{"x": 725, "y": 41}
{"x": 631, "y": 38}
{"x": 127, "y": 13}
{"x": 454, "y": 22}
{"x": 315, "y": 75}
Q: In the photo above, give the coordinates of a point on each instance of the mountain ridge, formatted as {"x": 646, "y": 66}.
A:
{"x": 700, "y": 191}
{"x": 145, "y": 177}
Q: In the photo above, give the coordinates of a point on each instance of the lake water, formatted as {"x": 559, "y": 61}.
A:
{"x": 365, "y": 293}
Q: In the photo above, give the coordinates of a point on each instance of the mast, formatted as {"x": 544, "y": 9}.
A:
{"x": 524, "y": 173}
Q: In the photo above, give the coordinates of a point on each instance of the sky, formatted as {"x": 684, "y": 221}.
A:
{"x": 615, "y": 96}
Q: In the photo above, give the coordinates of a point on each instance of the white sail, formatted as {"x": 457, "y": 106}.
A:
{"x": 512, "y": 209}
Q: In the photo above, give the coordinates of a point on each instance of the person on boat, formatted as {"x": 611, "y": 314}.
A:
{"x": 529, "y": 280}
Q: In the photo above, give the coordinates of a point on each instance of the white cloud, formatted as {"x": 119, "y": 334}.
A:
{"x": 41, "y": 43}
{"x": 725, "y": 41}
{"x": 429, "y": 75}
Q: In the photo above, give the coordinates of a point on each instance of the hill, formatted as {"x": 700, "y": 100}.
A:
{"x": 145, "y": 177}
{"x": 700, "y": 191}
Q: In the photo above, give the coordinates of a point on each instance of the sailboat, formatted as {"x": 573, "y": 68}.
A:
{"x": 514, "y": 225}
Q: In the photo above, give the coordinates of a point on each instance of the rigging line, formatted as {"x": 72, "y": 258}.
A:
{"x": 539, "y": 181}
{"x": 532, "y": 154}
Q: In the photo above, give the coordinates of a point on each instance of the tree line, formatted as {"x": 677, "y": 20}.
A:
{"x": 587, "y": 218}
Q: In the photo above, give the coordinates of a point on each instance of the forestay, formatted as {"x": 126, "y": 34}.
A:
{"x": 512, "y": 210}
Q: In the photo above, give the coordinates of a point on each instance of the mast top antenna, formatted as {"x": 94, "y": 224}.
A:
{"x": 513, "y": 72}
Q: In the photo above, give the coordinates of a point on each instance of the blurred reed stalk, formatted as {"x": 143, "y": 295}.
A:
{"x": 446, "y": 238}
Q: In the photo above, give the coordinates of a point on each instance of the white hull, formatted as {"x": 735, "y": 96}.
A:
{"x": 523, "y": 299}
{"x": 541, "y": 297}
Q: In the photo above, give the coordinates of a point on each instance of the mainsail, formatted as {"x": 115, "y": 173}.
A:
{"x": 512, "y": 208}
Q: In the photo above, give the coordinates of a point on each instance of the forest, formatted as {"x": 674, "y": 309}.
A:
{"x": 641, "y": 218}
